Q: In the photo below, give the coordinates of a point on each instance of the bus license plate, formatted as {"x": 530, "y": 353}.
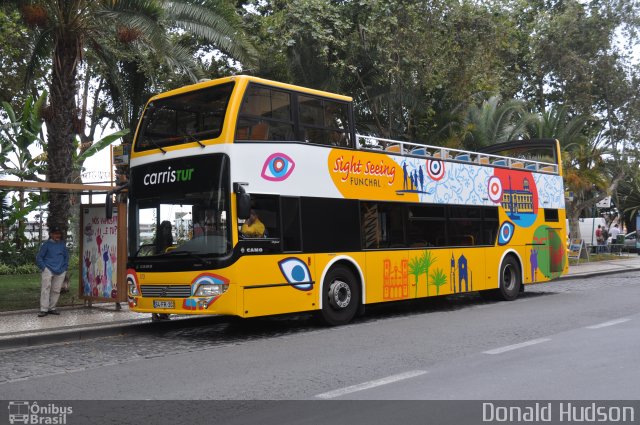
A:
{"x": 163, "y": 304}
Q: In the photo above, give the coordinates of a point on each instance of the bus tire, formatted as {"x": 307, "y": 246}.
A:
{"x": 341, "y": 296}
{"x": 510, "y": 279}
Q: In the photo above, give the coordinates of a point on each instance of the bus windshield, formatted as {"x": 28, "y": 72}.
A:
{"x": 184, "y": 118}
{"x": 181, "y": 207}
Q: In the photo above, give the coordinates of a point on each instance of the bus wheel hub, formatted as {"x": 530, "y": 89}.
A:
{"x": 339, "y": 294}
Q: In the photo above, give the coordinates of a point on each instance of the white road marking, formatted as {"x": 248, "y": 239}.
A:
{"x": 371, "y": 384}
{"x": 609, "y": 323}
{"x": 517, "y": 346}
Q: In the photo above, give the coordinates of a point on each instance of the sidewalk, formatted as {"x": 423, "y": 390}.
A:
{"x": 24, "y": 328}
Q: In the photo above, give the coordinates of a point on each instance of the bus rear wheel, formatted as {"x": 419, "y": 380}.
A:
{"x": 510, "y": 279}
{"x": 341, "y": 296}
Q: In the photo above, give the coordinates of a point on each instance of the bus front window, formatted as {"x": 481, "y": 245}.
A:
{"x": 184, "y": 118}
{"x": 181, "y": 206}
{"x": 189, "y": 225}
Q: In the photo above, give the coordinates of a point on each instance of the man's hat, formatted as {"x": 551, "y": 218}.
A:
{"x": 54, "y": 229}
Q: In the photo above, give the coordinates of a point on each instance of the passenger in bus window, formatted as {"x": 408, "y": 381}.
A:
{"x": 253, "y": 227}
{"x": 164, "y": 237}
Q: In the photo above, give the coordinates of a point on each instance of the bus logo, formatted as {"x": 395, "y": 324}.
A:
{"x": 277, "y": 167}
{"x": 168, "y": 176}
{"x": 31, "y": 413}
{"x": 18, "y": 412}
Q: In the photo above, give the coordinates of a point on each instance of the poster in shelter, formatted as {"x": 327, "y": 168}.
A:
{"x": 99, "y": 253}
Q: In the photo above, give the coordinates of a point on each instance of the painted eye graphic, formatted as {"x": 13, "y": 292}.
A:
{"x": 495, "y": 189}
{"x": 297, "y": 273}
{"x": 506, "y": 233}
{"x": 132, "y": 278}
{"x": 435, "y": 169}
{"x": 277, "y": 167}
{"x": 207, "y": 279}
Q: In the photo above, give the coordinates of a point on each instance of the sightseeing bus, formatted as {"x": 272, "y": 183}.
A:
{"x": 338, "y": 220}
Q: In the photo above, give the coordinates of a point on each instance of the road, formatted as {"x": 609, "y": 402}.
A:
{"x": 569, "y": 339}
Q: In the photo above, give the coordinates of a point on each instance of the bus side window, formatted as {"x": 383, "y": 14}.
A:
{"x": 324, "y": 122}
{"x": 266, "y": 211}
{"x": 265, "y": 115}
{"x": 291, "y": 229}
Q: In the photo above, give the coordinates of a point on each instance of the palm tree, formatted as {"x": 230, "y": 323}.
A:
{"x": 493, "y": 121}
{"x": 65, "y": 32}
{"x": 556, "y": 123}
{"x": 589, "y": 176}
{"x": 415, "y": 268}
{"x": 438, "y": 278}
{"x": 427, "y": 261}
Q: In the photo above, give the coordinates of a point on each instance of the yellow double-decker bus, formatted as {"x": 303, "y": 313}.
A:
{"x": 250, "y": 197}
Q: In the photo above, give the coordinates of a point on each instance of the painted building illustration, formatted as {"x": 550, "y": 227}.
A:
{"x": 518, "y": 201}
{"x": 395, "y": 280}
{"x": 461, "y": 270}
{"x": 463, "y": 274}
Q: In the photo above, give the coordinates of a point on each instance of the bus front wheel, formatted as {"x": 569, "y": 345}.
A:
{"x": 341, "y": 296}
{"x": 510, "y": 279}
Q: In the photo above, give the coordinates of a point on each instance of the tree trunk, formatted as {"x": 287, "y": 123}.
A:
{"x": 62, "y": 127}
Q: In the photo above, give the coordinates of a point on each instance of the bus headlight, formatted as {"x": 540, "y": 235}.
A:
{"x": 133, "y": 289}
{"x": 211, "y": 289}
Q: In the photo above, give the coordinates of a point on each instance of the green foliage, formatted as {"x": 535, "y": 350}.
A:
{"x": 5, "y": 269}
{"x": 26, "y": 269}
{"x": 13, "y": 61}
{"x": 23, "y": 261}
{"x": 628, "y": 197}
{"x": 18, "y": 136}
{"x": 9, "y": 255}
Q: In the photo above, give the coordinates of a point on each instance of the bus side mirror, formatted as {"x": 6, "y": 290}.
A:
{"x": 243, "y": 201}
{"x": 109, "y": 206}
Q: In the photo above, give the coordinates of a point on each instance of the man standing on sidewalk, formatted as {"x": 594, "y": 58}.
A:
{"x": 53, "y": 260}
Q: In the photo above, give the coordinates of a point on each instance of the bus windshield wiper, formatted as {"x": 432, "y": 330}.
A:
{"x": 193, "y": 138}
{"x": 156, "y": 145}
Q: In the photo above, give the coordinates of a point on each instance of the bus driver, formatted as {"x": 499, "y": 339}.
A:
{"x": 253, "y": 227}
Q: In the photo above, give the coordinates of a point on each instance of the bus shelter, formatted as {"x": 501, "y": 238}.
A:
{"x": 102, "y": 240}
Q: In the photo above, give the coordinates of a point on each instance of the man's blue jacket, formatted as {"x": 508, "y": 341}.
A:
{"x": 54, "y": 256}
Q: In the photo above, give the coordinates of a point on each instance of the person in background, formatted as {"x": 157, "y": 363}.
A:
{"x": 53, "y": 261}
{"x": 605, "y": 239}
{"x": 253, "y": 227}
{"x": 614, "y": 232}
{"x": 599, "y": 239}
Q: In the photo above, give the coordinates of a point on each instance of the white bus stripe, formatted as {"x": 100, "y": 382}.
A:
{"x": 517, "y": 346}
{"x": 609, "y": 323}
{"x": 371, "y": 384}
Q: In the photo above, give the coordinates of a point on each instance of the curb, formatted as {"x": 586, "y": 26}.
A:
{"x": 595, "y": 274}
{"x": 140, "y": 326}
